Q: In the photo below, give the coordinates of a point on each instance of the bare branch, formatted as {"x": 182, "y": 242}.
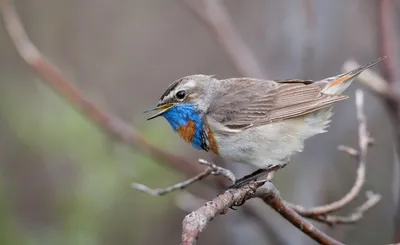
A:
{"x": 349, "y": 150}
{"x": 197, "y": 221}
{"x": 108, "y": 123}
{"x": 211, "y": 169}
{"x": 177, "y": 186}
{"x": 189, "y": 202}
{"x": 214, "y": 14}
{"x": 380, "y": 87}
{"x": 219, "y": 170}
{"x": 321, "y": 213}
{"x": 270, "y": 195}
{"x": 356, "y": 215}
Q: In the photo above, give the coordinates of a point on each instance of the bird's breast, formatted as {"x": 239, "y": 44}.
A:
{"x": 192, "y": 127}
{"x": 212, "y": 143}
{"x": 187, "y": 132}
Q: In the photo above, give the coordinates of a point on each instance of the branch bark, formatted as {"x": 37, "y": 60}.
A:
{"x": 270, "y": 196}
{"x": 198, "y": 220}
{"x": 211, "y": 169}
{"x": 195, "y": 222}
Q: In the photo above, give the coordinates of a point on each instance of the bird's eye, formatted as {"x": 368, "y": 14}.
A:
{"x": 180, "y": 94}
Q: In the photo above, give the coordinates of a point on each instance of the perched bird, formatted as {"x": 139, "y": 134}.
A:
{"x": 254, "y": 121}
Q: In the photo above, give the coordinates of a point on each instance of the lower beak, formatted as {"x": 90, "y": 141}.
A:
{"x": 162, "y": 109}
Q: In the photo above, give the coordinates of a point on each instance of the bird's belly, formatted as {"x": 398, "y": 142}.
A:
{"x": 272, "y": 143}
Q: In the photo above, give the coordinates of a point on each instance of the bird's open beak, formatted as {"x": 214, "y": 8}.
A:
{"x": 162, "y": 109}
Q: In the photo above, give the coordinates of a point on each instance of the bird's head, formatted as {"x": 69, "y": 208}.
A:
{"x": 184, "y": 96}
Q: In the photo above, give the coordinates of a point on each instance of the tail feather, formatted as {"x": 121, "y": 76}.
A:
{"x": 340, "y": 83}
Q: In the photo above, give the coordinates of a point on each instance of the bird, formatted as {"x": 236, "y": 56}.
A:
{"x": 249, "y": 120}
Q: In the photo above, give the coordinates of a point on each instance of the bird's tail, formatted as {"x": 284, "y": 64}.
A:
{"x": 338, "y": 84}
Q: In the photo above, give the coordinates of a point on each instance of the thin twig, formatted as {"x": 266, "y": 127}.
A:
{"x": 108, "y": 123}
{"x": 355, "y": 216}
{"x": 177, "y": 186}
{"x": 219, "y": 170}
{"x": 349, "y": 150}
{"x": 215, "y": 15}
{"x": 363, "y": 139}
{"x": 383, "y": 90}
{"x": 211, "y": 169}
{"x": 270, "y": 195}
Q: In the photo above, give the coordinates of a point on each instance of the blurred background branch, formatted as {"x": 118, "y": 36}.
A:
{"x": 388, "y": 22}
{"x": 108, "y": 123}
{"x": 215, "y": 15}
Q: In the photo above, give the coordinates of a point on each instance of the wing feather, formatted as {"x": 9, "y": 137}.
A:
{"x": 252, "y": 102}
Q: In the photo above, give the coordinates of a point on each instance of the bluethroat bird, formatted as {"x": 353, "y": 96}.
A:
{"x": 254, "y": 121}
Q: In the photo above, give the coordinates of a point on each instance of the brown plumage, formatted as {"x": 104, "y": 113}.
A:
{"x": 247, "y": 102}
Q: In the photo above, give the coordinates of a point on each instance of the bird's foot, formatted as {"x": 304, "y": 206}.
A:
{"x": 254, "y": 176}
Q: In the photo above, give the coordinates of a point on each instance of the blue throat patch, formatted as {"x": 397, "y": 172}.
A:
{"x": 180, "y": 115}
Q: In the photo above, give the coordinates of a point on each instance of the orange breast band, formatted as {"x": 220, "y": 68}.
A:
{"x": 213, "y": 143}
{"x": 187, "y": 132}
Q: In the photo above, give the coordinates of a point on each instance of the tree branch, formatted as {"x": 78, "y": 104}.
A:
{"x": 320, "y": 213}
{"x": 270, "y": 196}
{"x": 356, "y": 215}
{"x": 108, "y": 123}
{"x": 197, "y": 221}
{"x": 211, "y": 169}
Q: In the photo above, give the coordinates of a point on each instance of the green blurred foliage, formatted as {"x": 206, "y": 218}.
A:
{"x": 95, "y": 205}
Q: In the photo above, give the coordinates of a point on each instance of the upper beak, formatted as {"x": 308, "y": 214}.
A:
{"x": 161, "y": 108}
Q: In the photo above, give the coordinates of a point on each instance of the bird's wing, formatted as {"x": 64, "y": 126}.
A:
{"x": 247, "y": 102}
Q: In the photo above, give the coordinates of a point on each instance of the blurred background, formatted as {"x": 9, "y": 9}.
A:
{"x": 62, "y": 181}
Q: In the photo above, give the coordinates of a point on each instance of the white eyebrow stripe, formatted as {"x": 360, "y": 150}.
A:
{"x": 190, "y": 84}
